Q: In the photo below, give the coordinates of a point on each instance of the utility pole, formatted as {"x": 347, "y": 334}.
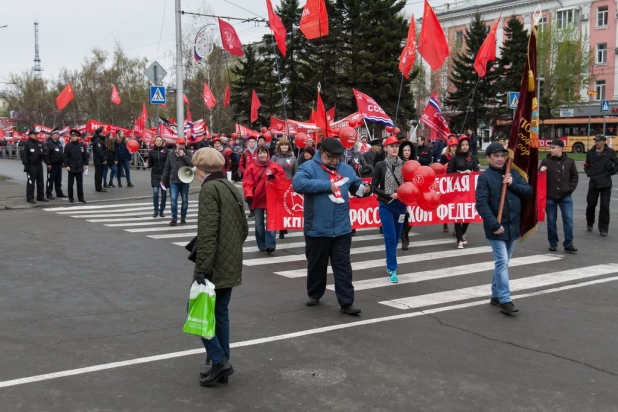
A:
{"x": 590, "y": 94}
{"x": 180, "y": 109}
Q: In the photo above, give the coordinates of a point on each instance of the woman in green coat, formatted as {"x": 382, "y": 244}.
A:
{"x": 221, "y": 231}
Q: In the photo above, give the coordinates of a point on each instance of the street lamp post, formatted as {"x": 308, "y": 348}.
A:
{"x": 590, "y": 94}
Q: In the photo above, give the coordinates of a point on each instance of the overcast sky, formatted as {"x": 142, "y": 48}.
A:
{"x": 69, "y": 29}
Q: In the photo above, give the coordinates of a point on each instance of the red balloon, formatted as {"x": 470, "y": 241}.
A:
{"x": 335, "y": 131}
{"x": 279, "y": 126}
{"x": 396, "y": 130}
{"x": 389, "y": 129}
{"x": 438, "y": 168}
{"x": 424, "y": 177}
{"x": 133, "y": 146}
{"x": 348, "y": 137}
{"x": 355, "y": 123}
{"x": 408, "y": 193}
{"x": 234, "y": 135}
{"x": 264, "y": 130}
{"x": 408, "y": 169}
{"x": 300, "y": 140}
{"x": 267, "y": 136}
{"x": 429, "y": 200}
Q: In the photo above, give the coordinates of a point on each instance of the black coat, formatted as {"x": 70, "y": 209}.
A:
{"x": 53, "y": 153}
{"x": 462, "y": 162}
{"x": 425, "y": 156}
{"x": 377, "y": 182}
{"x": 99, "y": 150}
{"x": 75, "y": 157}
{"x": 370, "y": 157}
{"x": 600, "y": 168}
{"x": 156, "y": 162}
{"x": 562, "y": 176}
{"x": 172, "y": 164}
{"x": 31, "y": 152}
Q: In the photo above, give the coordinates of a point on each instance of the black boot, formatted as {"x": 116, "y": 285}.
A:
{"x": 404, "y": 244}
{"x": 155, "y": 214}
{"x": 183, "y": 220}
{"x": 173, "y": 222}
{"x": 206, "y": 372}
{"x": 218, "y": 371}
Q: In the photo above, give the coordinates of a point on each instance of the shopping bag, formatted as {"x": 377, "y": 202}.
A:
{"x": 201, "y": 319}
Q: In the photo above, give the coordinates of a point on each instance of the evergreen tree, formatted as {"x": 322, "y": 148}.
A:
{"x": 248, "y": 74}
{"x": 511, "y": 63}
{"x": 479, "y": 94}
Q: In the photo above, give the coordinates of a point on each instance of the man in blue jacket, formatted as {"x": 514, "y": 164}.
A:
{"x": 325, "y": 182}
{"x": 501, "y": 235}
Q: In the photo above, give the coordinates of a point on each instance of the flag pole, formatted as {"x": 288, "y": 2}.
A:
{"x": 504, "y": 187}
{"x": 285, "y": 115}
{"x": 399, "y": 100}
{"x": 469, "y": 105}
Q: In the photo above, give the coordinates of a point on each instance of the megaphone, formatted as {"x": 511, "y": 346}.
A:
{"x": 186, "y": 174}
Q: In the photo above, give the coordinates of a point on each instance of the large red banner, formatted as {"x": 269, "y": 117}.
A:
{"x": 285, "y": 208}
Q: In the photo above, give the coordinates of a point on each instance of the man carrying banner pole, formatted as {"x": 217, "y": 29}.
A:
{"x": 514, "y": 213}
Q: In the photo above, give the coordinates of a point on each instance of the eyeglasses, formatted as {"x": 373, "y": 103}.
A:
{"x": 330, "y": 156}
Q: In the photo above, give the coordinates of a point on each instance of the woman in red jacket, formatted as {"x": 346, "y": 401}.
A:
{"x": 254, "y": 188}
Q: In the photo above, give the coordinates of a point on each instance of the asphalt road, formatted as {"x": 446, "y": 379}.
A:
{"x": 92, "y": 303}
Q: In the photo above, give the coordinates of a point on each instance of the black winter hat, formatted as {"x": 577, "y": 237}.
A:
{"x": 332, "y": 146}
{"x": 494, "y": 148}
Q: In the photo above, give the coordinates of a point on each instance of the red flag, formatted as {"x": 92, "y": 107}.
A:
{"x": 226, "y": 96}
{"x": 312, "y": 117}
{"x": 184, "y": 99}
{"x": 371, "y": 110}
{"x": 408, "y": 54}
{"x": 330, "y": 114}
{"x": 229, "y": 38}
{"x": 321, "y": 118}
{"x": 209, "y": 99}
{"x": 314, "y": 21}
{"x": 189, "y": 118}
{"x": 65, "y": 97}
{"x": 1, "y": 132}
{"x": 432, "y": 43}
{"x": 140, "y": 123}
{"x": 487, "y": 52}
{"x": 276, "y": 25}
{"x": 115, "y": 96}
{"x": 255, "y": 105}
{"x": 432, "y": 117}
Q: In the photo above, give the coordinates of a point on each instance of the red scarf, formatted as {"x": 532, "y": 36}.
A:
{"x": 338, "y": 180}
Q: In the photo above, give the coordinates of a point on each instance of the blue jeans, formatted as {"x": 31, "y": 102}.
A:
{"x": 566, "y": 209}
{"x": 112, "y": 174}
{"x": 503, "y": 250}
{"x": 155, "y": 199}
{"x": 390, "y": 215}
{"x": 183, "y": 189}
{"x": 124, "y": 165}
{"x": 218, "y": 347}
{"x": 263, "y": 237}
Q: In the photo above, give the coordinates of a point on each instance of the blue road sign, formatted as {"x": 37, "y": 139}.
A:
{"x": 605, "y": 106}
{"x": 157, "y": 94}
{"x": 513, "y": 100}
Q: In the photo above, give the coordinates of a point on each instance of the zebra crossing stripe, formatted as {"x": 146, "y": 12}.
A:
{"x": 94, "y": 207}
{"x": 376, "y": 263}
{"x": 293, "y": 245}
{"x": 129, "y": 219}
{"x": 447, "y": 272}
{"x": 161, "y": 229}
{"x": 134, "y": 215}
{"x": 531, "y": 282}
{"x": 155, "y": 223}
{"x": 353, "y": 251}
{"x": 106, "y": 211}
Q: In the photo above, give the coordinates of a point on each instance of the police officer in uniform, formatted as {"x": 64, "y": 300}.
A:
{"x": 76, "y": 162}
{"x": 99, "y": 158}
{"x": 53, "y": 155}
{"x": 31, "y": 158}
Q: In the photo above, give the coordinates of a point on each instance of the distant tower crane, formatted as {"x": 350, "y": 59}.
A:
{"x": 37, "y": 69}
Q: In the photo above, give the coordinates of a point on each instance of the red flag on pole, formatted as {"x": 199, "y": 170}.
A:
{"x": 230, "y": 40}
{"x": 140, "y": 123}
{"x": 255, "y": 105}
{"x": 184, "y": 99}
{"x": 432, "y": 117}
{"x": 115, "y": 96}
{"x": 314, "y": 21}
{"x": 487, "y": 52}
{"x": 226, "y": 96}
{"x": 189, "y": 118}
{"x": 209, "y": 99}
{"x": 330, "y": 114}
{"x": 65, "y": 96}
{"x": 408, "y": 54}
{"x": 432, "y": 43}
{"x": 312, "y": 117}
{"x": 276, "y": 25}
{"x": 320, "y": 118}
{"x": 371, "y": 110}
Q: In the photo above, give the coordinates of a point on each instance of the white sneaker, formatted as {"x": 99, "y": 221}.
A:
{"x": 465, "y": 241}
{"x": 460, "y": 245}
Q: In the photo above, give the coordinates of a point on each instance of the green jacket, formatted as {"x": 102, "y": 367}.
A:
{"x": 221, "y": 231}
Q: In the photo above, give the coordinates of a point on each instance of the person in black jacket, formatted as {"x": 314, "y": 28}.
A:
{"x": 99, "y": 158}
{"x": 31, "y": 157}
{"x": 53, "y": 155}
{"x": 562, "y": 178}
{"x": 406, "y": 152}
{"x": 157, "y": 158}
{"x": 601, "y": 164}
{"x": 501, "y": 234}
{"x": 76, "y": 163}
{"x": 463, "y": 162}
{"x": 175, "y": 160}
{"x": 376, "y": 146}
{"x": 110, "y": 142}
{"x": 425, "y": 153}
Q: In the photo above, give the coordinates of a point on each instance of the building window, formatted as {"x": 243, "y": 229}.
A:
{"x": 602, "y": 53}
{"x": 542, "y": 24}
{"x": 599, "y": 87}
{"x": 458, "y": 38}
{"x": 602, "y": 16}
{"x": 566, "y": 18}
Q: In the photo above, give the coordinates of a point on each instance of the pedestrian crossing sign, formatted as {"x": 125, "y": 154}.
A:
{"x": 513, "y": 100}
{"x": 605, "y": 106}
{"x": 157, "y": 94}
